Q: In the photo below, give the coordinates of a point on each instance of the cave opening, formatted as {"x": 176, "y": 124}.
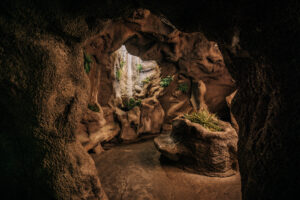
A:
{"x": 150, "y": 80}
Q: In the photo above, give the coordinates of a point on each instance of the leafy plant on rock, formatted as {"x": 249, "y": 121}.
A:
{"x": 183, "y": 87}
{"x": 131, "y": 103}
{"x": 87, "y": 62}
{"x": 146, "y": 81}
{"x": 118, "y": 74}
{"x": 206, "y": 119}
{"x": 165, "y": 82}
{"x": 139, "y": 67}
{"x": 138, "y": 102}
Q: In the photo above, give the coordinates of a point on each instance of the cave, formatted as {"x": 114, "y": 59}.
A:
{"x": 149, "y": 99}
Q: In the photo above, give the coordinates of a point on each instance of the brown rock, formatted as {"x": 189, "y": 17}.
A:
{"x": 200, "y": 150}
{"x": 232, "y": 118}
{"x": 152, "y": 116}
{"x": 130, "y": 121}
{"x": 98, "y": 149}
{"x": 174, "y": 101}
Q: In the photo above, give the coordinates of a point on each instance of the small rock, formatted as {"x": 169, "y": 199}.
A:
{"x": 138, "y": 88}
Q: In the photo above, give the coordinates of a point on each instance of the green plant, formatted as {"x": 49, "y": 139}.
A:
{"x": 131, "y": 103}
{"x": 87, "y": 62}
{"x": 139, "y": 67}
{"x": 118, "y": 74}
{"x": 138, "y": 102}
{"x": 94, "y": 107}
{"x": 122, "y": 63}
{"x": 146, "y": 80}
{"x": 206, "y": 119}
{"x": 165, "y": 82}
{"x": 183, "y": 87}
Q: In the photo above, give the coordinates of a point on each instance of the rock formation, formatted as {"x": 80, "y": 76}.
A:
{"x": 186, "y": 57}
{"x": 152, "y": 116}
{"x": 130, "y": 122}
{"x": 197, "y": 149}
{"x": 44, "y": 87}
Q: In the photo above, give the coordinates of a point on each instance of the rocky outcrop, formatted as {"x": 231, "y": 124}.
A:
{"x": 197, "y": 149}
{"x": 92, "y": 130}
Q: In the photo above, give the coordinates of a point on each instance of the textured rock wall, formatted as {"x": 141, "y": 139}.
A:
{"x": 44, "y": 93}
{"x": 48, "y": 161}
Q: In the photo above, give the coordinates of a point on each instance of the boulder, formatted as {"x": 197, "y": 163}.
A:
{"x": 94, "y": 129}
{"x": 197, "y": 149}
{"x": 130, "y": 121}
{"x": 138, "y": 88}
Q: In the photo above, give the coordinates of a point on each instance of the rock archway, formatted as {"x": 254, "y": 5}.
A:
{"x": 184, "y": 58}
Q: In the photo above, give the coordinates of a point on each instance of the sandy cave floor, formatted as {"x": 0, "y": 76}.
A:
{"x": 134, "y": 172}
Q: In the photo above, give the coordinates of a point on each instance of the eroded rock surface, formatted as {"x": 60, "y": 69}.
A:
{"x": 197, "y": 149}
{"x": 47, "y": 162}
{"x": 130, "y": 122}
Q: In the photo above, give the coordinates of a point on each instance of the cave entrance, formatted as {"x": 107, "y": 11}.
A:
{"x": 149, "y": 79}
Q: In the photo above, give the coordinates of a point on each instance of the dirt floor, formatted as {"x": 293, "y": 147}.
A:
{"x": 134, "y": 172}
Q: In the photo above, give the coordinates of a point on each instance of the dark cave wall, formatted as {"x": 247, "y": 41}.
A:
{"x": 35, "y": 141}
{"x": 44, "y": 92}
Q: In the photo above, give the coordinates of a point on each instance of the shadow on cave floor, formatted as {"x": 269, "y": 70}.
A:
{"x": 134, "y": 172}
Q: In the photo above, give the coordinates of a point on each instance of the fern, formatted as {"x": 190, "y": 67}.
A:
{"x": 206, "y": 119}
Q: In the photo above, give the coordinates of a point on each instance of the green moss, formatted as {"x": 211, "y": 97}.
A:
{"x": 118, "y": 74}
{"x": 94, "y": 107}
{"x": 139, "y": 67}
{"x": 165, "y": 82}
{"x": 183, "y": 87}
{"x": 206, "y": 119}
{"x": 87, "y": 62}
